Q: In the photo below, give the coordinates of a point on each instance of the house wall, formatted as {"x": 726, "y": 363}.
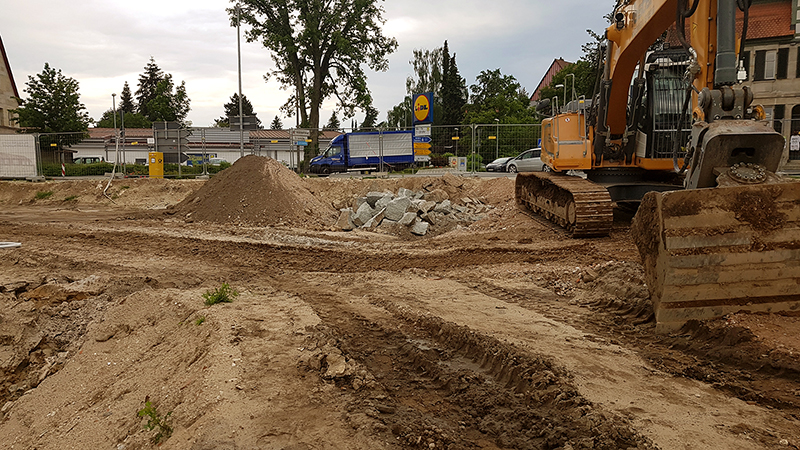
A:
{"x": 8, "y": 93}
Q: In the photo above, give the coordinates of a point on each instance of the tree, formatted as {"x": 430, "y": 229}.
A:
{"x": 276, "y": 123}
{"x": 132, "y": 120}
{"x": 427, "y": 67}
{"x": 126, "y": 100}
{"x": 370, "y": 118}
{"x": 319, "y": 49}
{"x": 170, "y": 104}
{"x": 232, "y": 109}
{"x": 333, "y": 122}
{"x": 53, "y": 104}
{"x": 498, "y": 96}
{"x": 158, "y": 99}
{"x": 148, "y": 82}
{"x": 454, "y": 90}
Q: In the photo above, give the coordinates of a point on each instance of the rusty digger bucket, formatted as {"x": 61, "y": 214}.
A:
{"x": 715, "y": 251}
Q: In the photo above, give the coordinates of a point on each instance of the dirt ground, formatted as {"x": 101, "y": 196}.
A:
{"x": 501, "y": 333}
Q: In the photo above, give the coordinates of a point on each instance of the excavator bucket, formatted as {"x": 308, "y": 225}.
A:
{"x": 715, "y": 251}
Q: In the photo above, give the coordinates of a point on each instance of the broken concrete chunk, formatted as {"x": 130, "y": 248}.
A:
{"x": 376, "y": 220}
{"x": 407, "y": 219}
{"x": 444, "y": 207}
{"x": 420, "y": 228}
{"x": 363, "y": 214}
{"x": 358, "y": 202}
{"x": 373, "y": 197}
{"x": 345, "y": 221}
{"x": 427, "y": 206}
{"x": 436, "y": 195}
{"x": 396, "y": 208}
{"x": 385, "y": 200}
{"x": 403, "y": 192}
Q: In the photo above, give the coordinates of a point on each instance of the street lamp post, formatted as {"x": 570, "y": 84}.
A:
{"x": 239, "y": 52}
{"x": 572, "y": 97}
{"x": 497, "y": 138}
{"x": 116, "y": 133}
{"x": 565, "y": 94}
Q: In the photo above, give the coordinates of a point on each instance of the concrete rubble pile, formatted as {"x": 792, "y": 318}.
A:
{"x": 417, "y": 212}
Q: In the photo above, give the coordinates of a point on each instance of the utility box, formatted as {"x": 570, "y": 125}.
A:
{"x": 156, "y": 164}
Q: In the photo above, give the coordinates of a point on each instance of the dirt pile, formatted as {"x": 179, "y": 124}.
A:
{"x": 256, "y": 191}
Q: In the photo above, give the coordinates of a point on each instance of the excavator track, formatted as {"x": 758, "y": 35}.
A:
{"x": 580, "y": 206}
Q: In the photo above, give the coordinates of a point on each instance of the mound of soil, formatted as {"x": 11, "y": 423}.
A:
{"x": 256, "y": 191}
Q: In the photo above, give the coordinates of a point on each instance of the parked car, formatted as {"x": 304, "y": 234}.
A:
{"x": 527, "y": 161}
{"x": 499, "y": 164}
{"x": 88, "y": 160}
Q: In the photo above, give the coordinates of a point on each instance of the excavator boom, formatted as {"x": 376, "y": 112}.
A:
{"x": 718, "y": 231}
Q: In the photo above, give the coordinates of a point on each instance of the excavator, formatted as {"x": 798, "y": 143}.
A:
{"x": 674, "y": 131}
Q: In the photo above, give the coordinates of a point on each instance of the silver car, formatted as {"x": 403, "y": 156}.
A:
{"x": 527, "y": 161}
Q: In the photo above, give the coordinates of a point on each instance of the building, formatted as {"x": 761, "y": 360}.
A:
{"x": 8, "y": 95}
{"x": 555, "y": 67}
{"x": 772, "y": 60}
{"x": 212, "y": 142}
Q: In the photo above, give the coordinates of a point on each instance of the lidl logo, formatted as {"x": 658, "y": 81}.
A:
{"x": 422, "y": 108}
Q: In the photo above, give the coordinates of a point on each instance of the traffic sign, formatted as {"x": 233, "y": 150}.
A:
{"x": 421, "y": 139}
{"x": 421, "y": 145}
{"x": 301, "y": 143}
{"x": 422, "y": 151}
{"x": 455, "y": 138}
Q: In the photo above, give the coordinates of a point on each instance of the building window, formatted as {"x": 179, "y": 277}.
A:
{"x": 782, "y": 71}
{"x": 761, "y": 61}
{"x": 769, "y": 64}
{"x": 778, "y": 113}
{"x": 797, "y": 72}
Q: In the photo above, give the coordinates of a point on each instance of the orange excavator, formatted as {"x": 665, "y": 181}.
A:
{"x": 674, "y": 131}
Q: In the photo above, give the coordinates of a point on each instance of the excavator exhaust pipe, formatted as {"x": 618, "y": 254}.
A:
{"x": 715, "y": 251}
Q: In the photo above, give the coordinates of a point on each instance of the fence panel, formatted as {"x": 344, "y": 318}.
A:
{"x": 18, "y": 156}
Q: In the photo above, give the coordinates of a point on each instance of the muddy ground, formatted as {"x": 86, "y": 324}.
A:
{"x": 500, "y": 333}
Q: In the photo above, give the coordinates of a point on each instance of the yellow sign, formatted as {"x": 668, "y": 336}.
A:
{"x": 135, "y": 143}
{"x": 422, "y": 108}
{"x": 492, "y": 137}
{"x": 156, "y": 165}
{"x": 53, "y": 145}
{"x": 274, "y": 141}
{"x": 422, "y": 145}
{"x": 422, "y": 151}
{"x": 455, "y": 138}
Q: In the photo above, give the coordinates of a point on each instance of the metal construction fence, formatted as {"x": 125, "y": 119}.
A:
{"x": 209, "y": 150}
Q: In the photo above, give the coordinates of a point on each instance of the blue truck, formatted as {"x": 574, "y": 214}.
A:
{"x": 364, "y": 151}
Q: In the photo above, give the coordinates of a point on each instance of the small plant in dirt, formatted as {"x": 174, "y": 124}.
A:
{"x": 155, "y": 421}
{"x": 223, "y": 294}
{"x": 41, "y": 195}
{"x": 71, "y": 198}
{"x": 200, "y": 320}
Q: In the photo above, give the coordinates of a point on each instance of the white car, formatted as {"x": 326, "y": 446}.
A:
{"x": 527, "y": 161}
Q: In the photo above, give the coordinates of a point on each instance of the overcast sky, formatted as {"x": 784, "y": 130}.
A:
{"x": 104, "y": 43}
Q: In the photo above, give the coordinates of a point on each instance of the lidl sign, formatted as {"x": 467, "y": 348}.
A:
{"x": 423, "y": 108}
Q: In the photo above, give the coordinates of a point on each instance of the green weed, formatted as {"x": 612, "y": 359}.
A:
{"x": 71, "y": 198}
{"x": 41, "y": 195}
{"x": 156, "y": 421}
{"x": 200, "y": 320}
{"x": 224, "y": 294}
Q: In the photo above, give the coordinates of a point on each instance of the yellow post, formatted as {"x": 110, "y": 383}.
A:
{"x": 156, "y": 165}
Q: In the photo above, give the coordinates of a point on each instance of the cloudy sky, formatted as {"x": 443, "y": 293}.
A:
{"x": 103, "y": 43}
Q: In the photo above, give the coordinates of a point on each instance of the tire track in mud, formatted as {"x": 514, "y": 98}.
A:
{"x": 728, "y": 358}
{"x": 441, "y": 385}
{"x": 306, "y": 258}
